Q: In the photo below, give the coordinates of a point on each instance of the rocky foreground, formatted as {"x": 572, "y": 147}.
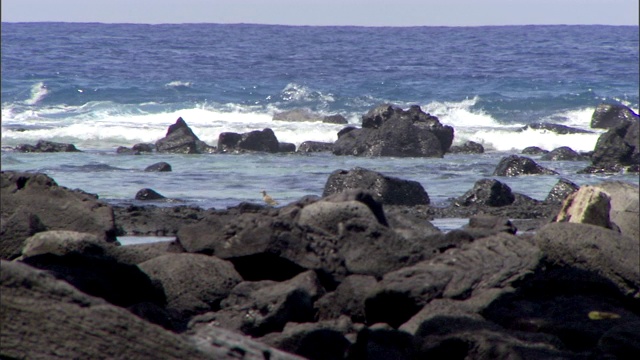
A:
{"x": 359, "y": 273}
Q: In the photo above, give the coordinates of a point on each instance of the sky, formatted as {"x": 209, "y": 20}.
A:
{"x": 328, "y": 12}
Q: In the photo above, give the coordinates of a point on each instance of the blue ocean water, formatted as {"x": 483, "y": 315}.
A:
{"x": 100, "y": 86}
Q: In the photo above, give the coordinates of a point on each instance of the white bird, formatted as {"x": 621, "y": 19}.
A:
{"x": 268, "y": 199}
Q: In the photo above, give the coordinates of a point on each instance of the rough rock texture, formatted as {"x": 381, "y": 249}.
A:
{"x": 180, "y": 139}
{"x": 617, "y": 149}
{"x": 347, "y": 299}
{"x": 469, "y": 147}
{"x": 192, "y": 283}
{"x": 46, "y": 146}
{"x": 625, "y": 207}
{"x": 596, "y": 250}
{"x": 607, "y": 116}
{"x": 386, "y": 189}
{"x": 258, "y": 140}
{"x": 563, "y": 153}
{"x": 159, "y": 167}
{"x": 497, "y": 262}
{"x": 390, "y": 131}
{"x": 489, "y": 192}
{"x": 560, "y": 191}
{"x": 34, "y": 202}
{"x": 315, "y": 146}
{"x": 514, "y": 165}
{"x": 588, "y": 205}
{"x": 45, "y": 318}
{"x": 135, "y": 220}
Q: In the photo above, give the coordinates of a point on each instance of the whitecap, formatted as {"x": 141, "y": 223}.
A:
{"x": 38, "y": 92}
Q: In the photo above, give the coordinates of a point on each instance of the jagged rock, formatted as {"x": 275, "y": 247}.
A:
{"x": 46, "y": 146}
{"x": 617, "y": 149}
{"x": 390, "y": 131}
{"x": 386, "y": 189}
{"x": 33, "y": 202}
{"x": 159, "y": 167}
{"x": 156, "y": 221}
{"x": 514, "y": 165}
{"x": 607, "y": 116}
{"x": 180, "y": 139}
{"x": 563, "y": 153}
{"x": 489, "y": 192}
{"x": 560, "y": 191}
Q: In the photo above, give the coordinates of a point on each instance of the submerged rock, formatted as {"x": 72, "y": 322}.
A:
{"x": 514, "y": 165}
{"x": 46, "y": 146}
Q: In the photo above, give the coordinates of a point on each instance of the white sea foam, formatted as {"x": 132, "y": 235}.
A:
{"x": 178, "y": 84}
{"x": 38, "y": 92}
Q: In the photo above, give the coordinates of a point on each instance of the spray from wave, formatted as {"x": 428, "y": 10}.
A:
{"x": 38, "y": 92}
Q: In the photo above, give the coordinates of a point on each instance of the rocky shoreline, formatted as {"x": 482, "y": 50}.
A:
{"x": 357, "y": 273}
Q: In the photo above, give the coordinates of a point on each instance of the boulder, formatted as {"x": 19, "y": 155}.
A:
{"x": 123, "y": 150}
{"x": 488, "y": 192}
{"x": 617, "y": 149}
{"x": 33, "y": 202}
{"x": 192, "y": 283}
{"x": 458, "y": 273}
{"x": 607, "y": 116}
{"x": 88, "y": 263}
{"x": 390, "y": 131}
{"x": 588, "y": 205}
{"x": 563, "y": 153}
{"x": 514, "y": 165}
{"x": 534, "y": 150}
{"x": 158, "y": 167}
{"x": 285, "y": 147}
{"x": 625, "y": 208}
{"x": 257, "y": 140}
{"x": 385, "y": 189}
{"x": 180, "y": 139}
{"x": 595, "y": 250}
{"x": 43, "y": 146}
{"x": 469, "y": 147}
{"x": 382, "y": 342}
{"x": 148, "y": 194}
{"x": 151, "y": 220}
{"x": 143, "y": 147}
{"x": 560, "y": 191}
{"x": 46, "y": 318}
{"x": 315, "y": 146}
{"x": 347, "y": 299}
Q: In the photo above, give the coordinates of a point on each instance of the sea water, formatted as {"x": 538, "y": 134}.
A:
{"x": 100, "y": 86}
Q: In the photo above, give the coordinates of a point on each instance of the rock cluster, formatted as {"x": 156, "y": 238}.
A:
{"x": 350, "y": 275}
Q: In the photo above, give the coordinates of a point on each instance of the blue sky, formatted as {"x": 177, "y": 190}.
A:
{"x": 328, "y": 12}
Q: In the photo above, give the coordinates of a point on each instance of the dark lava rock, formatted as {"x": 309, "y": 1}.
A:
{"x": 155, "y": 221}
{"x": 489, "y": 192}
{"x": 46, "y": 146}
{"x": 386, "y": 189}
{"x": 257, "y": 140}
{"x": 180, "y": 139}
{"x": 514, "y": 165}
{"x": 285, "y": 147}
{"x": 33, "y": 202}
{"x": 159, "y": 167}
{"x": 144, "y": 147}
{"x": 469, "y": 147}
{"x": 607, "y": 116}
{"x": 617, "y": 149}
{"x": 390, "y": 131}
{"x": 347, "y": 299}
{"x": 315, "y": 146}
{"x": 563, "y": 153}
{"x": 534, "y": 150}
{"x": 561, "y": 190}
{"x": 148, "y": 194}
{"x": 123, "y": 150}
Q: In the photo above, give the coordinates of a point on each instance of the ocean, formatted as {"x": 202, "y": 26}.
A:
{"x": 100, "y": 86}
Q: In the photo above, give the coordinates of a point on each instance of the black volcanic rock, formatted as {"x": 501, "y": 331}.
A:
{"x": 515, "y": 165}
{"x": 148, "y": 194}
{"x": 158, "y": 167}
{"x": 563, "y": 153}
{"x": 489, "y": 192}
{"x": 607, "y": 116}
{"x": 46, "y": 146}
